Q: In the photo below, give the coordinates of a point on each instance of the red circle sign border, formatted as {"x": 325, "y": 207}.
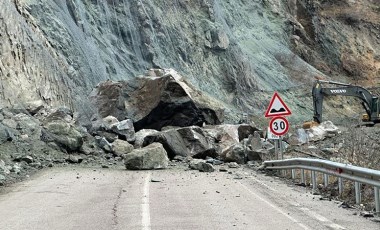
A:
{"x": 277, "y": 133}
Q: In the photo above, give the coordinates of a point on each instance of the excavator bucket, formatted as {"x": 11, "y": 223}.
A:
{"x": 309, "y": 124}
{"x": 365, "y": 117}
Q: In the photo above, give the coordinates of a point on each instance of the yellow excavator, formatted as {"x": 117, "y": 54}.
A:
{"x": 369, "y": 101}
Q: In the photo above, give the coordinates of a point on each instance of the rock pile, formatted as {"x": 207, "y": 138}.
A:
{"x": 315, "y": 133}
{"x": 173, "y": 121}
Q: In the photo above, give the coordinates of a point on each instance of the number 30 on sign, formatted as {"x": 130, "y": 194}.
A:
{"x": 279, "y": 126}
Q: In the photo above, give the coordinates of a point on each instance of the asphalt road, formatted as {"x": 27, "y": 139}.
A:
{"x": 85, "y": 198}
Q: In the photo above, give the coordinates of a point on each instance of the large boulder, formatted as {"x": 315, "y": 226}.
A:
{"x": 142, "y": 137}
{"x": 152, "y": 156}
{"x": 255, "y": 142}
{"x": 197, "y": 145}
{"x": 153, "y": 102}
{"x": 64, "y": 134}
{"x": 125, "y": 129}
{"x": 120, "y": 147}
{"x": 174, "y": 143}
{"x": 236, "y": 153}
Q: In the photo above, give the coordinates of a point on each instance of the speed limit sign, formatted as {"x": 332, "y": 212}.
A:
{"x": 279, "y": 125}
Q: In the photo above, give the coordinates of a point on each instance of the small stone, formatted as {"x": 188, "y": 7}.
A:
{"x": 36, "y": 165}
{"x": 233, "y": 165}
{"x": 105, "y": 166}
{"x": 74, "y": 159}
{"x": 179, "y": 158}
{"x": 214, "y": 161}
{"x": 223, "y": 170}
{"x": 3, "y": 168}
{"x": 253, "y": 164}
{"x": 210, "y": 161}
{"x": 366, "y": 214}
{"x": 103, "y": 143}
{"x": 27, "y": 159}
{"x": 217, "y": 162}
{"x": 238, "y": 177}
{"x": 206, "y": 167}
{"x": 16, "y": 168}
{"x": 155, "y": 180}
{"x": 201, "y": 165}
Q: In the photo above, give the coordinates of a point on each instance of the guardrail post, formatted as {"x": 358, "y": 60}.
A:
{"x": 303, "y": 176}
{"x": 357, "y": 192}
{"x": 311, "y": 178}
{"x": 377, "y": 200}
{"x": 326, "y": 179}
{"x": 340, "y": 185}
{"x": 293, "y": 174}
{"x": 314, "y": 180}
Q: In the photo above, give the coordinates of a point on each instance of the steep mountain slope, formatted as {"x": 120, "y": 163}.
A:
{"x": 237, "y": 51}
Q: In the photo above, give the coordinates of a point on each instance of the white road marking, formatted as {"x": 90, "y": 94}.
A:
{"x": 310, "y": 213}
{"x": 321, "y": 218}
{"x": 263, "y": 184}
{"x": 315, "y": 215}
{"x": 145, "y": 210}
{"x": 337, "y": 226}
{"x": 276, "y": 208}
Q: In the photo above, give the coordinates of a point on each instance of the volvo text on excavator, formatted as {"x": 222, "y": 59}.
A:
{"x": 369, "y": 101}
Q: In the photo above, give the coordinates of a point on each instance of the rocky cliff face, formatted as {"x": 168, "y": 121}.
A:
{"x": 56, "y": 52}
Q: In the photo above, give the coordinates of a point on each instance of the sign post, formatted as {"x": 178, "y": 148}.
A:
{"x": 278, "y": 124}
{"x": 271, "y": 135}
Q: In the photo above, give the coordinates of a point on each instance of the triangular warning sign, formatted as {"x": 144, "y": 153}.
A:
{"x": 277, "y": 107}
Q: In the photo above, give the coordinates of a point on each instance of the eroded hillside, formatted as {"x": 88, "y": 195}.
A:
{"x": 237, "y": 51}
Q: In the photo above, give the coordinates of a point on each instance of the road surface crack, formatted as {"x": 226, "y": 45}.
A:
{"x": 115, "y": 221}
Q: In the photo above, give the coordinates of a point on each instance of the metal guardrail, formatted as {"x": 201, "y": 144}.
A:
{"x": 339, "y": 170}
